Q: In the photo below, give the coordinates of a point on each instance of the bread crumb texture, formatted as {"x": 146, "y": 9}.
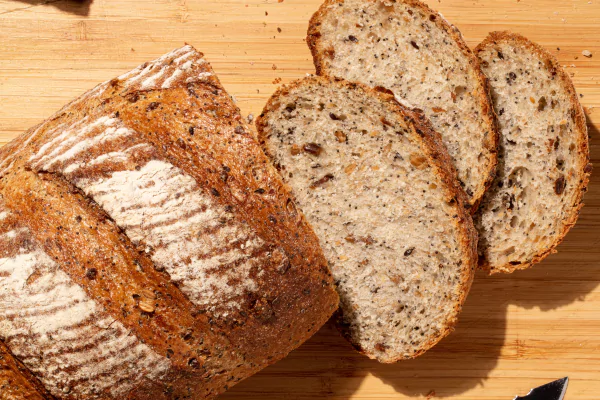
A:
{"x": 410, "y": 49}
{"x": 543, "y": 159}
{"x": 386, "y": 220}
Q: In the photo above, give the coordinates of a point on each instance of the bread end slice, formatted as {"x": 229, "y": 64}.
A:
{"x": 377, "y": 185}
{"x": 544, "y": 166}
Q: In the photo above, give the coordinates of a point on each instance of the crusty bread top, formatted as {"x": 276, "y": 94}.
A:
{"x": 412, "y": 50}
{"x": 544, "y": 166}
{"x": 379, "y": 188}
{"x": 150, "y": 247}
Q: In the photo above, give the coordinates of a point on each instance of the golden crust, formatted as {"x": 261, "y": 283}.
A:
{"x": 433, "y": 146}
{"x": 77, "y": 234}
{"x": 288, "y": 307}
{"x": 582, "y": 136}
{"x": 491, "y": 145}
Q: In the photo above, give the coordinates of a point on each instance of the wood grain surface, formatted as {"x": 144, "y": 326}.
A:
{"x": 516, "y": 331}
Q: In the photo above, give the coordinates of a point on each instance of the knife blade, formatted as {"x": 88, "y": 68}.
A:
{"x": 551, "y": 391}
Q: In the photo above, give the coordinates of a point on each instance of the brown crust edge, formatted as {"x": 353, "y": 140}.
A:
{"x": 21, "y": 371}
{"x": 435, "y": 149}
{"x": 583, "y": 151}
{"x": 314, "y": 35}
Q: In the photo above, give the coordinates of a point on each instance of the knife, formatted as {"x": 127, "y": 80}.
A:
{"x": 552, "y": 391}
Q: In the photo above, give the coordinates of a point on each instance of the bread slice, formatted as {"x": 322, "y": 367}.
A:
{"x": 378, "y": 187}
{"x": 544, "y": 157}
{"x": 412, "y": 50}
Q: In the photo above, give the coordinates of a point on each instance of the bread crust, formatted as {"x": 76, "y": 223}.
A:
{"x": 206, "y": 352}
{"x": 433, "y": 146}
{"x": 582, "y": 139}
{"x": 491, "y": 145}
{"x": 16, "y": 382}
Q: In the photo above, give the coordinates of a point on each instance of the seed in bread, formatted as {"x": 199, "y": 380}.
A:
{"x": 544, "y": 165}
{"x": 379, "y": 189}
{"x": 412, "y": 50}
{"x": 148, "y": 249}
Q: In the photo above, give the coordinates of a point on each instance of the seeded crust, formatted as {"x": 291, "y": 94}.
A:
{"x": 568, "y": 177}
{"x": 323, "y": 51}
{"x": 170, "y": 112}
{"x": 397, "y": 117}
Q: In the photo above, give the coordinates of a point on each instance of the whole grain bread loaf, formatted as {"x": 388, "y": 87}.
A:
{"x": 148, "y": 249}
{"x": 378, "y": 187}
{"x": 544, "y": 157}
{"x": 412, "y": 50}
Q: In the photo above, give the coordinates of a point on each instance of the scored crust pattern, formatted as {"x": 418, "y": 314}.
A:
{"x": 212, "y": 258}
{"x": 152, "y": 244}
{"x": 50, "y": 322}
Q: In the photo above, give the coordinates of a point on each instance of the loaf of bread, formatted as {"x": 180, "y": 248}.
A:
{"x": 412, "y": 50}
{"x": 544, "y": 158}
{"x": 379, "y": 188}
{"x": 148, "y": 249}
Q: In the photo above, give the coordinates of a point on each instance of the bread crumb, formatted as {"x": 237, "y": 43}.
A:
{"x": 431, "y": 394}
{"x": 276, "y": 81}
{"x": 274, "y": 67}
{"x": 587, "y": 53}
{"x": 250, "y": 118}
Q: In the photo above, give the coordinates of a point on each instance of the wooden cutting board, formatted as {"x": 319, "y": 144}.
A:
{"x": 516, "y": 331}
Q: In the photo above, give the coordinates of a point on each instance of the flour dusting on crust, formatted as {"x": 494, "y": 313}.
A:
{"x": 199, "y": 245}
{"x": 59, "y": 332}
{"x": 165, "y": 71}
{"x": 213, "y": 259}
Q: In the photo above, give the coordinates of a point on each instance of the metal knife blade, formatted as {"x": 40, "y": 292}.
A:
{"x": 552, "y": 391}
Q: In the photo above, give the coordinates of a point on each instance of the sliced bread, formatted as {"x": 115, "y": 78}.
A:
{"x": 379, "y": 188}
{"x": 412, "y": 50}
{"x": 543, "y": 159}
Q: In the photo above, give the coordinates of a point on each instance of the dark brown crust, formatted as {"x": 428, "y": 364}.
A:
{"x": 16, "y": 381}
{"x": 433, "y": 146}
{"x": 583, "y": 139}
{"x": 298, "y": 302}
{"x": 313, "y": 38}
